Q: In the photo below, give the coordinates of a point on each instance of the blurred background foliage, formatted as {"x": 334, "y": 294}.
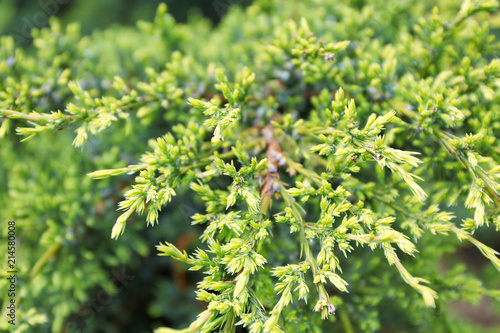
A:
{"x": 16, "y": 15}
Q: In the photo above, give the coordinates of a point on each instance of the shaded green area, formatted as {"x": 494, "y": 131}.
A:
{"x": 18, "y": 17}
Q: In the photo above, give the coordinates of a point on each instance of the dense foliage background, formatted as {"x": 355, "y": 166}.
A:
{"x": 74, "y": 278}
{"x": 19, "y": 16}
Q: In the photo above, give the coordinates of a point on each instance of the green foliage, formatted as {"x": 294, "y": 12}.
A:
{"x": 339, "y": 153}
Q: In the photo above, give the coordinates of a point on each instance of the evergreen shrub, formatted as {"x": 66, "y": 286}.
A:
{"x": 339, "y": 159}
